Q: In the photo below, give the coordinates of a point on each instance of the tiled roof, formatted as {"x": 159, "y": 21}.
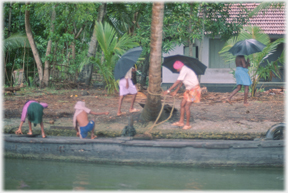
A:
{"x": 272, "y": 21}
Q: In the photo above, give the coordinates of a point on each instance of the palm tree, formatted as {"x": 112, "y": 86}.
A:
{"x": 153, "y": 103}
{"x": 112, "y": 47}
{"x": 257, "y": 70}
{"x": 15, "y": 41}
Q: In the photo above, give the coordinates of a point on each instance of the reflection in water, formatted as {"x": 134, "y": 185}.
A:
{"x": 193, "y": 186}
{"x": 82, "y": 179}
{"x": 51, "y": 175}
{"x": 22, "y": 185}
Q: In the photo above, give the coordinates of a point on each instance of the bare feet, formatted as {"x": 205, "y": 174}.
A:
{"x": 18, "y": 132}
{"x": 134, "y": 110}
{"x": 29, "y": 133}
{"x": 178, "y": 124}
{"x": 229, "y": 101}
{"x": 44, "y": 136}
{"x": 94, "y": 136}
{"x": 247, "y": 104}
{"x": 187, "y": 127}
{"x": 119, "y": 114}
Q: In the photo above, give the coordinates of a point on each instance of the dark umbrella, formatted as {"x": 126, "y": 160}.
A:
{"x": 247, "y": 47}
{"x": 192, "y": 63}
{"x": 126, "y": 62}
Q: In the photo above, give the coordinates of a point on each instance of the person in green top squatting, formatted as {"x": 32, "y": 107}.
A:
{"x": 34, "y": 110}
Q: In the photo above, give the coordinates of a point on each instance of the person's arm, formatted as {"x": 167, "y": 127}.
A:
{"x": 24, "y": 111}
{"x": 247, "y": 63}
{"x": 243, "y": 62}
{"x": 19, "y": 131}
{"x": 176, "y": 90}
{"x": 76, "y": 128}
{"x": 103, "y": 113}
{"x": 173, "y": 86}
{"x": 127, "y": 83}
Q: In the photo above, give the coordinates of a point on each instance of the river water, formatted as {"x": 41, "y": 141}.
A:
{"x": 23, "y": 174}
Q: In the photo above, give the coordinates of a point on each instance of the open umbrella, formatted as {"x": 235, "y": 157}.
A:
{"x": 192, "y": 63}
{"x": 247, "y": 47}
{"x": 126, "y": 62}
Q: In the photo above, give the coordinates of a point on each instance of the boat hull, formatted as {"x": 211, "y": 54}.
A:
{"x": 149, "y": 152}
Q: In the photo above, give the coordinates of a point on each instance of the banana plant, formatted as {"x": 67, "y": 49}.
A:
{"x": 112, "y": 47}
{"x": 258, "y": 71}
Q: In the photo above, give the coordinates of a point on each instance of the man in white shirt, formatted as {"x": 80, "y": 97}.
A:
{"x": 126, "y": 86}
{"x": 192, "y": 93}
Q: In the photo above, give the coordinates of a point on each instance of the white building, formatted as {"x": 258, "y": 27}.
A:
{"x": 217, "y": 72}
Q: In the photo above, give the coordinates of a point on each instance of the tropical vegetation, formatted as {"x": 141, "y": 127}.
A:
{"x": 69, "y": 41}
{"x": 66, "y": 41}
{"x": 260, "y": 67}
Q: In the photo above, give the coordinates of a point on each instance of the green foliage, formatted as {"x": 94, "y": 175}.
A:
{"x": 257, "y": 68}
{"x": 15, "y": 41}
{"x": 265, "y": 6}
{"x": 126, "y": 19}
{"x": 217, "y": 15}
{"x": 112, "y": 47}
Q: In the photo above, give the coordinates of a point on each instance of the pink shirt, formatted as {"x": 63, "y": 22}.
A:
{"x": 25, "y": 108}
{"x": 79, "y": 107}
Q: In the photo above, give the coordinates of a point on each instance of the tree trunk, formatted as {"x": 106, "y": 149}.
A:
{"x": 202, "y": 39}
{"x": 9, "y": 22}
{"x": 54, "y": 61}
{"x": 190, "y": 43}
{"x": 253, "y": 86}
{"x": 202, "y": 35}
{"x": 33, "y": 46}
{"x": 86, "y": 73}
{"x": 48, "y": 50}
{"x": 153, "y": 103}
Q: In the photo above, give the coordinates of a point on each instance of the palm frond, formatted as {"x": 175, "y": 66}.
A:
{"x": 260, "y": 7}
{"x": 253, "y": 32}
{"x": 15, "y": 41}
{"x": 105, "y": 36}
{"x": 224, "y": 54}
{"x": 264, "y": 6}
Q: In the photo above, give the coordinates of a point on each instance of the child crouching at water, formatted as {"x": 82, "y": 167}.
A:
{"x": 80, "y": 120}
{"x": 34, "y": 110}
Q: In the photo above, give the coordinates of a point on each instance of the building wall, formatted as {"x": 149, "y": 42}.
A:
{"x": 215, "y": 75}
{"x": 167, "y": 75}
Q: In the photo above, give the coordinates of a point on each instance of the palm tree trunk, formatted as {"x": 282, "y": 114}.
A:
{"x": 145, "y": 68}
{"x": 153, "y": 103}
{"x": 48, "y": 50}
{"x": 86, "y": 73}
{"x": 33, "y": 46}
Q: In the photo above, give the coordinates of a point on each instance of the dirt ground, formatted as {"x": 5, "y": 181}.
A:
{"x": 213, "y": 112}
